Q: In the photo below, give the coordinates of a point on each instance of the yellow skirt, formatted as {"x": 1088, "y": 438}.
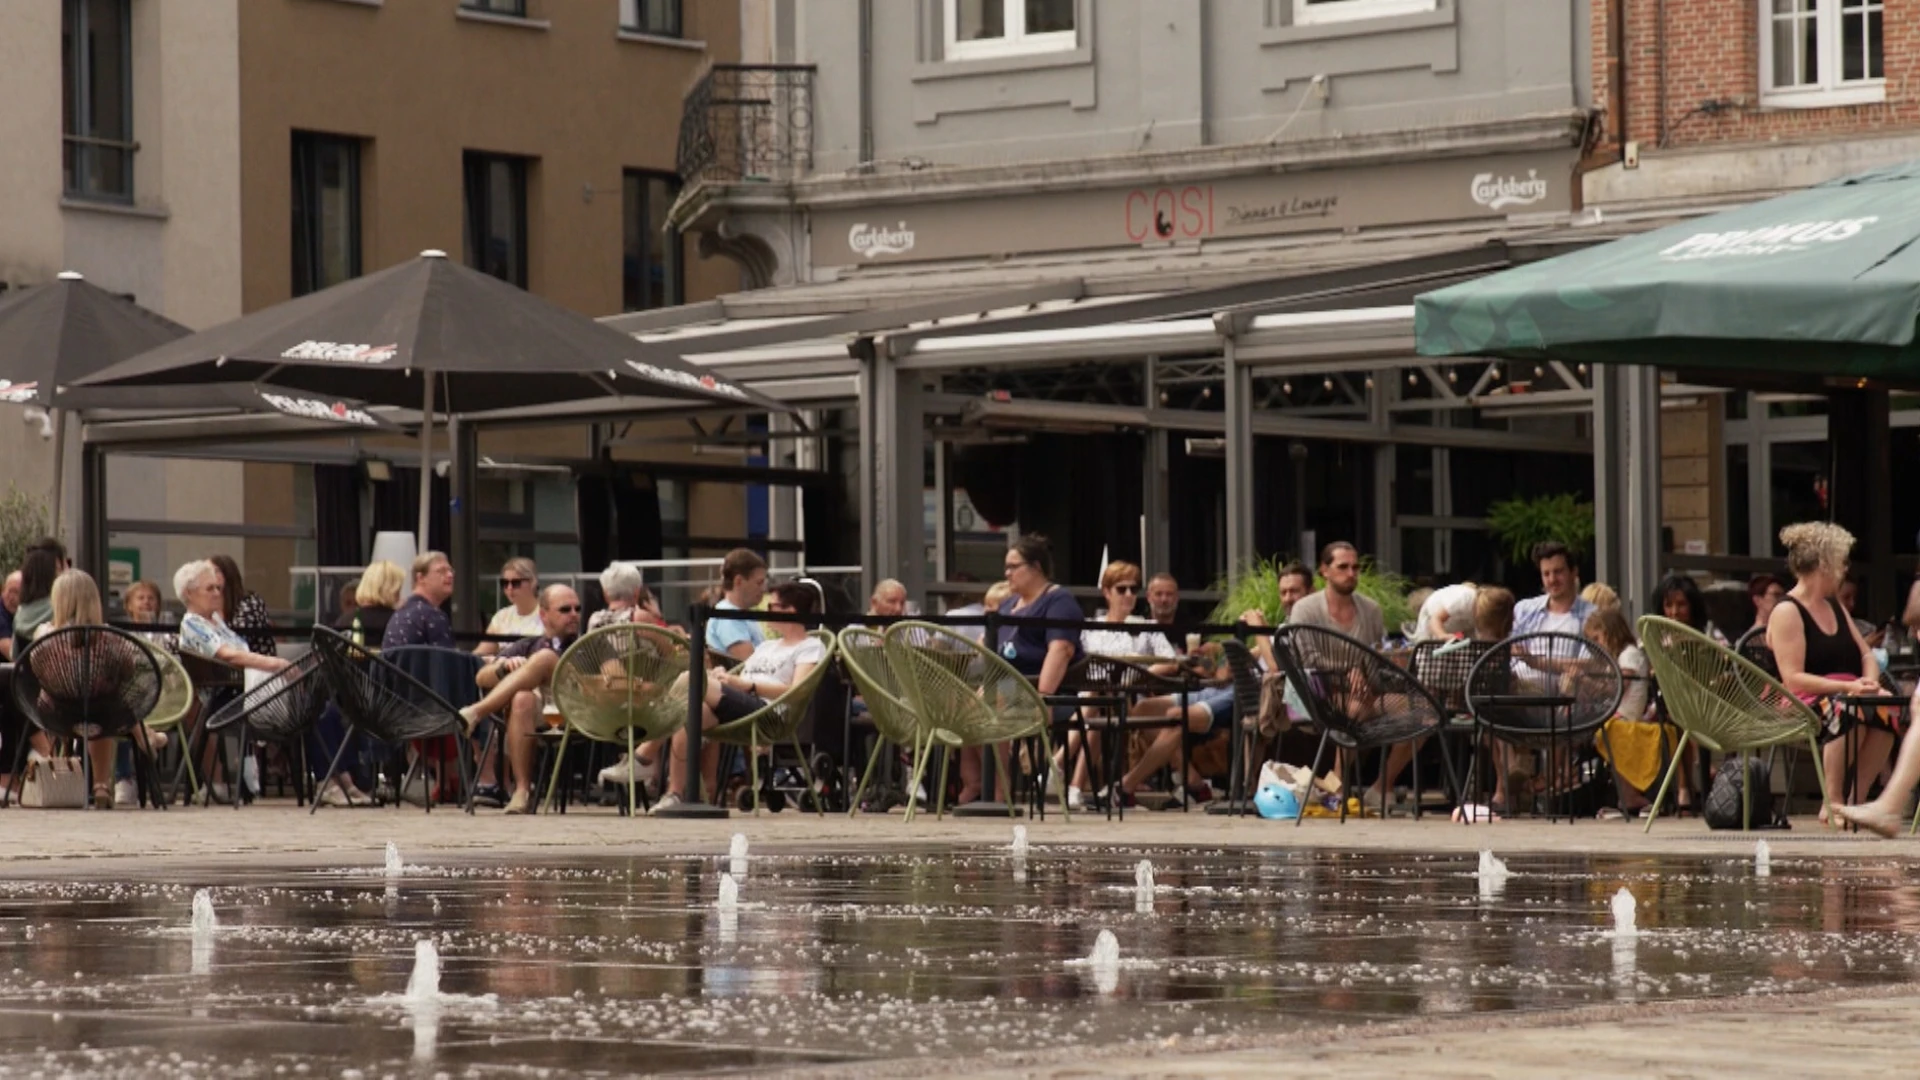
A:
{"x": 1635, "y": 747}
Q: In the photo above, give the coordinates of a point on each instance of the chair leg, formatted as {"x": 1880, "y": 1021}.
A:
{"x": 633, "y": 768}
{"x": 1679, "y": 756}
{"x": 1040, "y": 798}
{"x": 818, "y": 794}
{"x": 1819, "y": 775}
{"x": 553, "y": 782}
{"x": 880, "y": 746}
{"x": 940, "y": 793}
{"x": 919, "y": 771}
{"x": 314, "y": 806}
{"x": 462, "y": 747}
{"x": 1318, "y": 753}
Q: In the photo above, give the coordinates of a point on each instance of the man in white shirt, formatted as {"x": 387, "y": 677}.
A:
{"x": 1559, "y": 609}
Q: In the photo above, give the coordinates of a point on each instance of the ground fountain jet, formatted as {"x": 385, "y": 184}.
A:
{"x": 1143, "y": 887}
{"x": 423, "y": 986}
{"x": 205, "y": 922}
{"x": 394, "y": 866}
{"x": 1105, "y": 962}
{"x": 1019, "y": 847}
{"x": 1493, "y": 875}
{"x": 737, "y": 856}
{"x": 1625, "y": 916}
{"x": 1762, "y": 859}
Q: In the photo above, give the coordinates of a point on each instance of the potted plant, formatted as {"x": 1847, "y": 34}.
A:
{"x": 1520, "y": 524}
{"x": 23, "y": 520}
{"x": 1257, "y": 588}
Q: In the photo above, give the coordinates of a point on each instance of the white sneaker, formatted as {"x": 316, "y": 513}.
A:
{"x": 618, "y": 773}
{"x": 220, "y": 792}
{"x": 1055, "y": 782}
{"x": 335, "y": 795}
{"x": 666, "y": 801}
{"x": 1076, "y": 799}
{"x": 125, "y": 793}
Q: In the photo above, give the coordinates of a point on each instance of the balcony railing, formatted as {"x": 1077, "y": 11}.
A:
{"x": 748, "y": 122}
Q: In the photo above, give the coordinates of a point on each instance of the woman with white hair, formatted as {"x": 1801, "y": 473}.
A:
{"x": 628, "y": 599}
{"x": 204, "y": 630}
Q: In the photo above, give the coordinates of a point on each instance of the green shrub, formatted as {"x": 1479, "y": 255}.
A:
{"x": 23, "y": 520}
{"x": 1519, "y": 524}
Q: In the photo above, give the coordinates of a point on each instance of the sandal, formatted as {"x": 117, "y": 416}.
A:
{"x": 1611, "y": 813}
{"x": 102, "y": 797}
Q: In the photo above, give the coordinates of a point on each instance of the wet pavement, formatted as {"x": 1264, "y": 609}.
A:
{"x": 613, "y": 965}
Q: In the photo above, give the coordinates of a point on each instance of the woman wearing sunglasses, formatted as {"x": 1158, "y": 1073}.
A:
{"x": 520, "y": 587}
{"x": 1140, "y": 640}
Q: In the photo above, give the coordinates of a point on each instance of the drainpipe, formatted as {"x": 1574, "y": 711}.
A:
{"x": 1616, "y": 106}
{"x": 1660, "y": 72}
{"x": 866, "y": 81}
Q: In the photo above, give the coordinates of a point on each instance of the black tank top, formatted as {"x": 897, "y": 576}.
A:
{"x": 1829, "y": 654}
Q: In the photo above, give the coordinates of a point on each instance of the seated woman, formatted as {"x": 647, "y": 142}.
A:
{"x": 777, "y": 664}
{"x": 1632, "y": 742}
{"x": 76, "y": 602}
{"x": 1822, "y": 657}
{"x": 1132, "y": 638}
{"x": 204, "y": 632}
{"x": 628, "y": 601}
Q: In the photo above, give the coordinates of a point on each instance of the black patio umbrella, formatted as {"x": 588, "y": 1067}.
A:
{"x": 431, "y": 333}
{"x": 54, "y": 335}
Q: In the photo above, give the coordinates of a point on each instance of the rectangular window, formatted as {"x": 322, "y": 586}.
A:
{"x": 326, "y": 211}
{"x": 497, "y": 215}
{"x": 661, "y": 18}
{"x": 96, "y": 68}
{"x": 515, "y": 8}
{"x": 1818, "y": 53}
{"x": 650, "y": 268}
{"x": 1313, "y": 12}
{"x": 979, "y": 29}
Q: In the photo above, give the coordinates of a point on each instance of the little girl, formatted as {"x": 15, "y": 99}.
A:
{"x": 1632, "y": 742}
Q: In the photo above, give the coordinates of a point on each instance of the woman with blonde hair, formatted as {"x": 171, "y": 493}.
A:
{"x": 76, "y": 602}
{"x": 1822, "y": 657}
{"x": 1600, "y": 595}
{"x": 375, "y": 599}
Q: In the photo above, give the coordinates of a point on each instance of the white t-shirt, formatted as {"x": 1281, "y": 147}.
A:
{"x": 508, "y": 622}
{"x": 774, "y": 659}
{"x": 1561, "y": 623}
{"x": 1128, "y": 643}
{"x": 1633, "y": 692}
{"x": 1457, "y": 602}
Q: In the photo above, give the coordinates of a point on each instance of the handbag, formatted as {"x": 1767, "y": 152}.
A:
{"x": 1722, "y": 809}
{"x": 54, "y": 784}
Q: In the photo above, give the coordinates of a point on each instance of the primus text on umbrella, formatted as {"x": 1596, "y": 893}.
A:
{"x": 1769, "y": 240}
{"x": 343, "y": 354}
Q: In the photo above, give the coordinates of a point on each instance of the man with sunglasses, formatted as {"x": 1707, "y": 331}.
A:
{"x": 520, "y": 587}
{"x": 513, "y": 681}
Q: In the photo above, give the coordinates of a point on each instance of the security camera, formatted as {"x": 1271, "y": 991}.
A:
{"x": 31, "y": 417}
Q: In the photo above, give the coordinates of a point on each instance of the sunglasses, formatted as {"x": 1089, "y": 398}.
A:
{"x": 568, "y": 609}
{"x": 512, "y": 582}
{"x": 1129, "y": 589}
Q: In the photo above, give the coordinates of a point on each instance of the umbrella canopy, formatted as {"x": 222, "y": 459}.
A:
{"x": 241, "y": 397}
{"x": 1823, "y": 281}
{"x": 61, "y": 332}
{"x": 489, "y": 345}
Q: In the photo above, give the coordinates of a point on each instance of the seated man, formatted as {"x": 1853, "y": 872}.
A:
{"x": 776, "y": 666}
{"x": 513, "y": 682}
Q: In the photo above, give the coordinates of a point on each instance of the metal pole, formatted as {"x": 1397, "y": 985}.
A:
{"x": 1239, "y": 450}
{"x": 691, "y": 805}
{"x": 426, "y": 464}
{"x": 59, "y": 465}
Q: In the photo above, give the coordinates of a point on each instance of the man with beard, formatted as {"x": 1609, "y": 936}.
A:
{"x": 1338, "y": 607}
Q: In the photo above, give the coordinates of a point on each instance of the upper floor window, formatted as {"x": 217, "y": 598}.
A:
{"x": 650, "y": 275}
{"x": 326, "y": 211}
{"x": 96, "y": 68}
{"x": 977, "y": 29}
{"x": 661, "y": 18}
{"x": 497, "y": 215}
{"x": 1311, "y": 12}
{"x": 1817, "y": 53}
{"x": 515, "y": 8}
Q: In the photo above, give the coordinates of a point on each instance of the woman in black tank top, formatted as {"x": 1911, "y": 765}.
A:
{"x": 1821, "y": 663}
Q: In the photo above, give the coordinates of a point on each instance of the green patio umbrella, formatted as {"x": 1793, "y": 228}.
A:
{"x": 1823, "y": 281}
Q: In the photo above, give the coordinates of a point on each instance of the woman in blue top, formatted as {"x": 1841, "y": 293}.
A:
{"x": 1040, "y": 654}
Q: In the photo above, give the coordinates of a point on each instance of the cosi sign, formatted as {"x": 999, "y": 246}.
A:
{"x": 1269, "y": 204}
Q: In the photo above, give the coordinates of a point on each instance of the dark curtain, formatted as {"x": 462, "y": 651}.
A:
{"x": 1338, "y": 496}
{"x": 1196, "y": 513}
{"x": 1084, "y": 493}
{"x": 991, "y": 475}
{"x": 636, "y": 510}
{"x": 336, "y": 515}
{"x": 593, "y": 516}
{"x": 396, "y": 507}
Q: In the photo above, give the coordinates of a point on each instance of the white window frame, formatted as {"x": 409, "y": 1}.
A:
{"x": 1309, "y": 14}
{"x": 1017, "y": 41}
{"x": 1831, "y": 90}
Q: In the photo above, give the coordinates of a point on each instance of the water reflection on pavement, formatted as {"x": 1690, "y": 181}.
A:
{"x": 624, "y": 965}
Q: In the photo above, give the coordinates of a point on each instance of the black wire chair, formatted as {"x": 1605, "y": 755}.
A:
{"x": 1753, "y": 648}
{"x": 1544, "y": 691}
{"x": 87, "y": 682}
{"x": 1244, "y": 671}
{"x": 1360, "y": 701}
{"x": 280, "y": 709}
{"x": 386, "y": 703}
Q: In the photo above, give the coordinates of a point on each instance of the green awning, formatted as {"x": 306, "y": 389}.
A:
{"x": 1824, "y": 281}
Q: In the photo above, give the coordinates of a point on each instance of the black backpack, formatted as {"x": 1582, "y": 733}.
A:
{"x": 1722, "y": 807}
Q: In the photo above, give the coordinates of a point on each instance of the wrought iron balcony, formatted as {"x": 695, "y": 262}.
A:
{"x": 748, "y": 122}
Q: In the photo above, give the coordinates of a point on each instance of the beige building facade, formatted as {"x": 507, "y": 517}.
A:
{"x": 214, "y": 157}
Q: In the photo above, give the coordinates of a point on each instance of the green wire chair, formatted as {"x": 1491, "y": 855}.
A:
{"x": 863, "y": 653}
{"x": 625, "y": 683}
{"x": 779, "y": 721}
{"x": 964, "y": 695}
{"x": 1722, "y": 701}
{"x": 169, "y": 714}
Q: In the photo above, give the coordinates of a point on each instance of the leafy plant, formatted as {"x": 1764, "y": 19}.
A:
{"x": 23, "y": 520}
{"x": 1519, "y": 524}
{"x": 1257, "y": 588}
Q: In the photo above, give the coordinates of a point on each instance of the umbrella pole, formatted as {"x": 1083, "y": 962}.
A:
{"x": 59, "y": 463}
{"x": 426, "y": 463}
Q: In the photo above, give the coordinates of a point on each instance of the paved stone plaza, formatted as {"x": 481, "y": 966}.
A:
{"x": 1852, "y": 1032}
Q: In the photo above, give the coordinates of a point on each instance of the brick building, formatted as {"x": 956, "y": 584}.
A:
{"x": 1708, "y": 103}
